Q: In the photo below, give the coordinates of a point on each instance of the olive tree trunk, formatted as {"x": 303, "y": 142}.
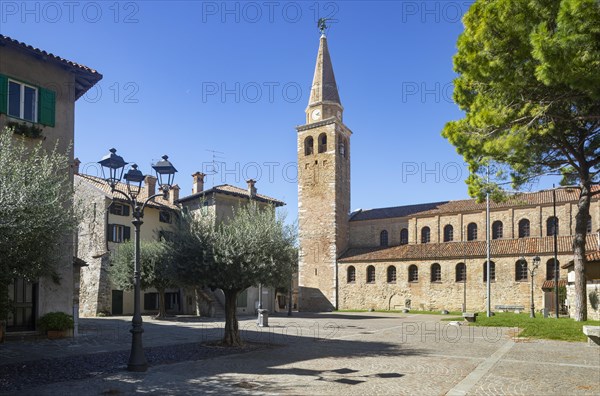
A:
{"x": 231, "y": 336}
{"x": 162, "y": 307}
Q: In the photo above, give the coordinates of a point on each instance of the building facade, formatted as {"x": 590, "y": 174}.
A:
{"x": 218, "y": 204}
{"x": 38, "y": 91}
{"x": 106, "y": 223}
{"x": 429, "y": 256}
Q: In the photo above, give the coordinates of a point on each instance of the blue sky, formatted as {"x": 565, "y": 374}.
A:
{"x": 186, "y": 77}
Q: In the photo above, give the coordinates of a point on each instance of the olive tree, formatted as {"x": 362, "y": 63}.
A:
{"x": 254, "y": 246}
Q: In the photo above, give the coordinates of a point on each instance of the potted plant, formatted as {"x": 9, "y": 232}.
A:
{"x": 56, "y": 324}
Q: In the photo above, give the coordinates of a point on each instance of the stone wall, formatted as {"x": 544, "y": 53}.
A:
{"x": 447, "y": 294}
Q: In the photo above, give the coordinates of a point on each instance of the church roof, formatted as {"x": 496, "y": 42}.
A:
{"x": 324, "y": 87}
{"x": 396, "y": 211}
{"x": 470, "y": 205}
{"x": 462, "y": 250}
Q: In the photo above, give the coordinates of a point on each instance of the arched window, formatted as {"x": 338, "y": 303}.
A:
{"x": 589, "y": 225}
{"x": 497, "y": 229}
{"x": 551, "y": 225}
{"x": 461, "y": 272}
{"x": 391, "y": 274}
{"x": 351, "y": 274}
{"x": 425, "y": 235}
{"x": 370, "y": 274}
{"x": 492, "y": 271}
{"x": 403, "y": 236}
{"x": 472, "y": 232}
{"x": 448, "y": 233}
{"x": 413, "y": 273}
{"x": 523, "y": 228}
{"x": 521, "y": 271}
{"x": 322, "y": 143}
{"x": 550, "y": 268}
{"x": 383, "y": 238}
{"x": 436, "y": 272}
{"x": 308, "y": 145}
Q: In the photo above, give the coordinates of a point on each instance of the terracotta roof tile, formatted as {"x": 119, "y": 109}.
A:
{"x": 592, "y": 256}
{"x": 521, "y": 199}
{"x": 85, "y": 77}
{"x": 549, "y": 284}
{"x": 99, "y": 183}
{"x": 233, "y": 190}
{"x": 396, "y": 211}
{"x": 458, "y": 250}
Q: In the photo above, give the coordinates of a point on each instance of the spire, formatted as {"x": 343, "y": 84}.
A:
{"x": 324, "y": 88}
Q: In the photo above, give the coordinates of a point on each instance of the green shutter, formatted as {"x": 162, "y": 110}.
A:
{"x": 46, "y": 107}
{"x": 3, "y": 94}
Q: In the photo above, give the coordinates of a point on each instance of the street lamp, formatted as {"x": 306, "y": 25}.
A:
{"x": 112, "y": 172}
{"x": 536, "y": 263}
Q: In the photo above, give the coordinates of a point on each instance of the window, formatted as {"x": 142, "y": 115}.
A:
{"x": 589, "y": 225}
{"x": 322, "y": 143}
{"x": 383, "y": 238}
{"x": 150, "y": 301}
{"x": 425, "y": 235}
{"x": 165, "y": 217}
{"x": 308, "y": 145}
{"x": 436, "y": 272}
{"x": 497, "y": 229}
{"x": 242, "y": 299}
{"x": 413, "y": 273}
{"x": 448, "y": 233}
{"x": 165, "y": 235}
{"x": 119, "y": 209}
{"x": 27, "y": 102}
{"x": 472, "y": 232}
{"x": 118, "y": 233}
{"x": 523, "y": 228}
{"x": 391, "y": 274}
{"x": 22, "y": 101}
{"x": 521, "y": 271}
{"x": 492, "y": 271}
{"x": 351, "y": 278}
{"x": 344, "y": 147}
{"x": 550, "y": 268}
{"x": 551, "y": 226}
{"x": 370, "y": 274}
{"x": 461, "y": 272}
{"x": 403, "y": 236}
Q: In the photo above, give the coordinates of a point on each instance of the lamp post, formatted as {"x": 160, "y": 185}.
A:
{"x": 112, "y": 172}
{"x": 536, "y": 263}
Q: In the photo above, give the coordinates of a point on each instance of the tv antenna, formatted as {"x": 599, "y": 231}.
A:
{"x": 216, "y": 155}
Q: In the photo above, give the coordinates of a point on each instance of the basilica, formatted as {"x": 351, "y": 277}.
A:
{"x": 426, "y": 256}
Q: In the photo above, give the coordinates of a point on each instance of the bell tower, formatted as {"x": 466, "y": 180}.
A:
{"x": 323, "y": 189}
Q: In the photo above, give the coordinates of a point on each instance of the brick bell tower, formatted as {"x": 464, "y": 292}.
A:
{"x": 323, "y": 189}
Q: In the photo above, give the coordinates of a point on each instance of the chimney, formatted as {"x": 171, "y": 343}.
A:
{"x": 76, "y": 164}
{"x": 150, "y": 183}
{"x": 198, "y": 182}
{"x": 251, "y": 187}
{"x": 174, "y": 194}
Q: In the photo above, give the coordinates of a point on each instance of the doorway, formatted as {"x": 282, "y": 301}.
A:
{"x": 117, "y": 302}
{"x": 24, "y": 297}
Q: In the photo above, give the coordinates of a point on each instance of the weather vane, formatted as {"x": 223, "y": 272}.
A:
{"x": 322, "y": 24}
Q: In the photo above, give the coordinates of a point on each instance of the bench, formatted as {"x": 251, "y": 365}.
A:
{"x": 470, "y": 316}
{"x": 593, "y": 334}
{"x": 515, "y": 308}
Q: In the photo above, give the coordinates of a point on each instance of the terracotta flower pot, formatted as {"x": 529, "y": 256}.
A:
{"x": 56, "y": 334}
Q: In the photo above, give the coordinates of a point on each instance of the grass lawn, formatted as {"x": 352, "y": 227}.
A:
{"x": 564, "y": 329}
{"x": 396, "y": 311}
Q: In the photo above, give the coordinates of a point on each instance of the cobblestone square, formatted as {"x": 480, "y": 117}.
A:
{"x": 319, "y": 354}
